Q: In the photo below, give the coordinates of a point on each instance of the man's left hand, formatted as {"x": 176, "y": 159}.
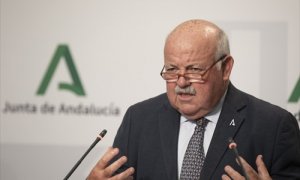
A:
{"x": 261, "y": 174}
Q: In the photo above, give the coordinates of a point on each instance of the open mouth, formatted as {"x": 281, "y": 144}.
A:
{"x": 185, "y": 96}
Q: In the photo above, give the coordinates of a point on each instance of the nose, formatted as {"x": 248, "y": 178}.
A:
{"x": 182, "y": 81}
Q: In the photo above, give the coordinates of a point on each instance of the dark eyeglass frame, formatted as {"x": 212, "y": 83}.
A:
{"x": 186, "y": 75}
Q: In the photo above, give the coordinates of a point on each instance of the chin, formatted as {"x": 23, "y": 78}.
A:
{"x": 192, "y": 113}
{"x": 187, "y": 112}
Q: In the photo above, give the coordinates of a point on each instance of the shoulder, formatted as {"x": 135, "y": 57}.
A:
{"x": 148, "y": 108}
{"x": 263, "y": 107}
{"x": 156, "y": 102}
{"x": 256, "y": 109}
{"x": 241, "y": 100}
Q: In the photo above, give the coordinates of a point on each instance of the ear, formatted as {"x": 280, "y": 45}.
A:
{"x": 227, "y": 67}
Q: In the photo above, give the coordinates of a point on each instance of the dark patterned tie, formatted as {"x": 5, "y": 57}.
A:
{"x": 194, "y": 155}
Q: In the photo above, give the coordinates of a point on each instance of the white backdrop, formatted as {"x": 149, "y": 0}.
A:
{"x": 117, "y": 48}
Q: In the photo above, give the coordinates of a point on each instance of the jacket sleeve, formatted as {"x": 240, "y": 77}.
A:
{"x": 127, "y": 142}
{"x": 286, "y": 158}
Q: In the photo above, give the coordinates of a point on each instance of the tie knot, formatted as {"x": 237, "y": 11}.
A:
{"x": 202, "y": 122}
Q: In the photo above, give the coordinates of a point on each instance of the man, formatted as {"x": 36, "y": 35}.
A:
{"x": 153, "y": 139}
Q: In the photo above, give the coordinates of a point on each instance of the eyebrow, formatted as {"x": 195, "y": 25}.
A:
{"x": 188, "y": 66}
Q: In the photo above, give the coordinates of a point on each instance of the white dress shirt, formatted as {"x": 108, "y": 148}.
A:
{"x": 187, "y": 128}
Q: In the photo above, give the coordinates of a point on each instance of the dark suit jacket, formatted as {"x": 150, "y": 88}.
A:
{"x": 148, "y": 136}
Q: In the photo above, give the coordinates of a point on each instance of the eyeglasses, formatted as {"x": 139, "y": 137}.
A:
{"x": 193, "y": 74}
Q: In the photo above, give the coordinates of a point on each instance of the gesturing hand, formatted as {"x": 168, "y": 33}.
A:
{"x": 261, "y": 174}
{"x": 103, "y": 170}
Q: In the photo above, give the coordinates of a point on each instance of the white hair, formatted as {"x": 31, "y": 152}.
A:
{"x": 222, "y": 46}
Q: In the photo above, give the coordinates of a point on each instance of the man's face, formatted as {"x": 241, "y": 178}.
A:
{"x": 186, "y": 53}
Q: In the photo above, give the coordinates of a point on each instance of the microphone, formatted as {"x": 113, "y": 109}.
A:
{"x": 98, "y": 138}
{"x": 233, "y": 146}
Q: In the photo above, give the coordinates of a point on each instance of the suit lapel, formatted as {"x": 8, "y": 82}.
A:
{"x": 228, "y": 125}
{"x": 169, "y": 121}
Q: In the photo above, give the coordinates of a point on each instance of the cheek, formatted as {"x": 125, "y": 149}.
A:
{"x": 202, "y": 94}
{"x": 171, "y": 92}
{"x": 205, "y": 94}
{"x": 171, "y": 88}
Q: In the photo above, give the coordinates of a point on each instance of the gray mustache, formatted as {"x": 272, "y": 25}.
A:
{"x": 188, "y": 90}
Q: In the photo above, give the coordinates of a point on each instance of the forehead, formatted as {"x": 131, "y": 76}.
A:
{"x": 188, "y": 53}
{"x": 189, "y": 48}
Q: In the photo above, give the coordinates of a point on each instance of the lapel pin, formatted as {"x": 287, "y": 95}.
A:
{"x": 232, "y": 123}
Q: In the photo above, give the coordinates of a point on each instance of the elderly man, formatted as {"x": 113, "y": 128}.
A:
{"x": 183, "y": 134}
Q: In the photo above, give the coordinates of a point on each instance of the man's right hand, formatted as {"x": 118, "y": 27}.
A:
{"x": 103, "y": 170}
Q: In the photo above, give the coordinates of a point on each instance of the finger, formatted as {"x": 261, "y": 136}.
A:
{"x": 111, "y": 169}
{"x": 261, "y": 168}
{"x": 233, "y": 173}
{"x": 248, "y": 169}
{"x": 127, "y": 174}
{"x": 250, "y": 173}
{"x": 225, "y": 177}
{"x": 105, "y": 159}
{"x": 129, "y": 178}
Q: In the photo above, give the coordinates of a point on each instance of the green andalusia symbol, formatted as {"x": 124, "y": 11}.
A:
{"x": 62, "y": 51}
{"x": 296, "y": 93}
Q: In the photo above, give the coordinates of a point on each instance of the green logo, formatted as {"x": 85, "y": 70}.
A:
{"x": 296, "y": 93}
{"x": 76, "y": 87}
